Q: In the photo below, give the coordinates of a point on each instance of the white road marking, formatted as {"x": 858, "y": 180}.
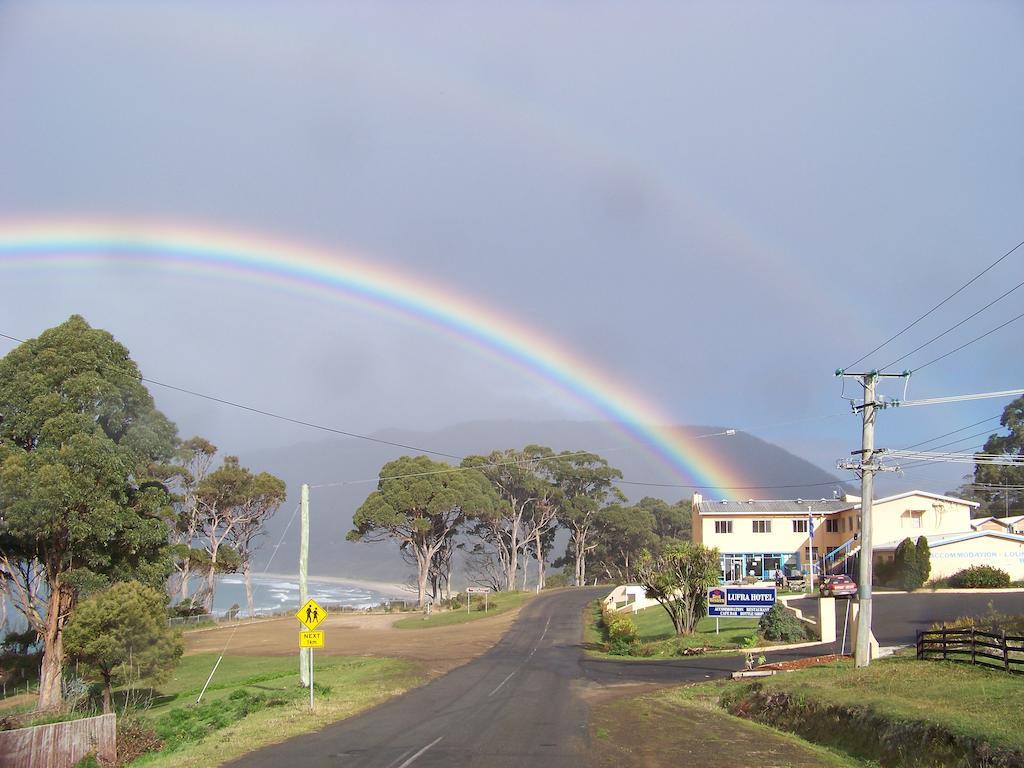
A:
{"x": 503, "y": 682}
{"x": 400, "y": 757}
{"x": 528, "y": 656}
{"x": 410, "y": 761}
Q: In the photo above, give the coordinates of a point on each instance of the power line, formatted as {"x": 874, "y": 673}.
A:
{"x": 947, "y": 434}
{"x": 727, "y": 487}
{"x": 272, "y": 415}
{"x": 955, "y": 398}
{"x": 953, "y": 327}
{"x": 930, "y": 311}
{"x": 972, "y": 341}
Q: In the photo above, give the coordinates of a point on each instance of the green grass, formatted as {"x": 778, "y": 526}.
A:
{"x": 497, "y": 602}
{"x": 254, "y": 701}
{"x": 966, "y": 700}
{"x": 655, "y": 630}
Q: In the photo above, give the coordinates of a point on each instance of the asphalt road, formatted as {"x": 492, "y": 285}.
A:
{"x": 898, "y": 617}
{"x": 523, "y": 702}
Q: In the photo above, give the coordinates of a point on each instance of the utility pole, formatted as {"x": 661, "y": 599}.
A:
{"x": 304, "y": 653}
{"x": 867, "y": 466}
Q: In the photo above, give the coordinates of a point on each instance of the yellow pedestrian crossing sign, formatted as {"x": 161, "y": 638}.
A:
{"x": 311, "y": 639}
{"x": 311, "y": 614}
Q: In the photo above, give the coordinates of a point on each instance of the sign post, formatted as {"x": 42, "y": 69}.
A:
{"x": 311, "y": 615}
{"x": 470, "y": 591}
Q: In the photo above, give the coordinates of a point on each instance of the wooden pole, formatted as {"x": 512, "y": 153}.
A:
{"x": 305, "y": 654}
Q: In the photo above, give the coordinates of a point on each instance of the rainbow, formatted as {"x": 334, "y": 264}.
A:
{"x": 75, "y": 244}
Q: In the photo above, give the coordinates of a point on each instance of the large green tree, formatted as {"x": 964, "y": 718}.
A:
{"x": 621, "y": 534}
{"x": 1001, "y": 488}
{"x": 585, "y": 483}
{"x": 420, "y": 503}
{"x": 79, "y": 436}
{"x": 121, "y": 635}
{"x": 526, "y": 511}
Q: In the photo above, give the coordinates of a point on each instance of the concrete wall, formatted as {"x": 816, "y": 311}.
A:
{"x": 983, "y": 550}
{"x": 896, "y": 520}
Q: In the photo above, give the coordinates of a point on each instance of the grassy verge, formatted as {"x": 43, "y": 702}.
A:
{"x": 497, "y": 603}
{"x": 965, "y": 700}
{"x": 256, "y": 701}
{"x": 656, "y": 637}
{"x": 660, "y": 730}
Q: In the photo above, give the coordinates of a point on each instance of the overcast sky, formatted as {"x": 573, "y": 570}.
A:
{"x": 719, "y": 203}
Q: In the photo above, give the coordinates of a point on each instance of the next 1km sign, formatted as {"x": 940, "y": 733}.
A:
{"x": 740, "y": 602}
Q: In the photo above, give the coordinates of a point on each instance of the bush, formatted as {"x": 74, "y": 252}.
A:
{"x": 135, "y": 737}
{"x": 619, "y": 631}
{"x": 980, "y": 577}
{"x": 781, "y": 624}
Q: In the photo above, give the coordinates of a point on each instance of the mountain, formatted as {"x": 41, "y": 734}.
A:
{"x": 342, "y": 472}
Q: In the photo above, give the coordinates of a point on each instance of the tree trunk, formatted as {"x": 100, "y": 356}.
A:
{"x": 106, "y": 694}
{"x": 247, "y": 575}
{"x": 422, "y": 574}
{"x": 186, "y": 573}
{"x": 211, "y": 581}
{"x": 448, "y": 580}
{"x": 540, "y": 564}
{"x": 57, "y": 608}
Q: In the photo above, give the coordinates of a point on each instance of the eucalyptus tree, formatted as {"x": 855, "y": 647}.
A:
{"x": 1001, "y": 488}
{"x": 585, "y": 483}
{"x": 621, "y": 534}
{"x": 79, "y": 439}
{"x": 419, "y": 504}
{"x": 192, "y": 463}
{"x": 233, "y": 504}
{"x": 525, "y": 509}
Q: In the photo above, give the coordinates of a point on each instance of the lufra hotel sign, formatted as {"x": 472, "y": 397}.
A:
{"x": 740, "y": 602}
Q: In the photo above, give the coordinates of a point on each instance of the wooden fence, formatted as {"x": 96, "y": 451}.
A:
{"x": 59, "y": 745}
{"x": 973, "y": 646}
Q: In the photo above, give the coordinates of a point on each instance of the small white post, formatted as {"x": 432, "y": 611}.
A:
{"x": 716, "y": 625}
{"x": 310, "y": 679}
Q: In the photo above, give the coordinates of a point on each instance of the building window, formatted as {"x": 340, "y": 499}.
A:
{"x": 723, "y": 526}
{"x": 799, "y": 526}
{"x": 912, "y": 518}
{"x": 832, "y": 525}
{"x": 762, "y": 526}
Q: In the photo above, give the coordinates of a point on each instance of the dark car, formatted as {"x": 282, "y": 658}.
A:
{"x": 838, "y": 586}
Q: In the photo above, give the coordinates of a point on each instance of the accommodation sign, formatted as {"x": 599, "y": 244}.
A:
{"x": 740, "y": 602}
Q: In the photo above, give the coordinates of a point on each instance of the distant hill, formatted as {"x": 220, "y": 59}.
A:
{"x": 346, "y": 469}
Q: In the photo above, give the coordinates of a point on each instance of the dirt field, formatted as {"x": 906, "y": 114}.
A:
{"x": 437, "y": 650}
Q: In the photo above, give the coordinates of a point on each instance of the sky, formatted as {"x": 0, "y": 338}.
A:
{"x": 717, "y": 204}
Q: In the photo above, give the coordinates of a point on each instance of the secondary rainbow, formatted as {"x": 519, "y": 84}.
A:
{"x": 77, "y": 244}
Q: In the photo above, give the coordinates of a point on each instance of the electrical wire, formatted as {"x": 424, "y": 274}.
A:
{"x": 947, "y": 434}
{"x": 953, "y": 327}
{"x": 278, "y": 416}
{"x": 972, "y": 341}
{"x": 941, "y": 303}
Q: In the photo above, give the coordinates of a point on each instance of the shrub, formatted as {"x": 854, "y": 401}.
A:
{"x": 781, "y": 624}
{"x": 135, "y": 737}
{"x": 980, "y": 577}
{"x": 924, "y": 560}
{"x": 619, "y": 631}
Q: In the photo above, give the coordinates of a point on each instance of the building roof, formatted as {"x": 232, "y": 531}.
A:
{"x": 772, "y": 507}
{"x": 939, "y": 496}
{"x": 1009, "y": 521}
{"x": 792, "y": 507}
{"x": 952, "y": 538}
